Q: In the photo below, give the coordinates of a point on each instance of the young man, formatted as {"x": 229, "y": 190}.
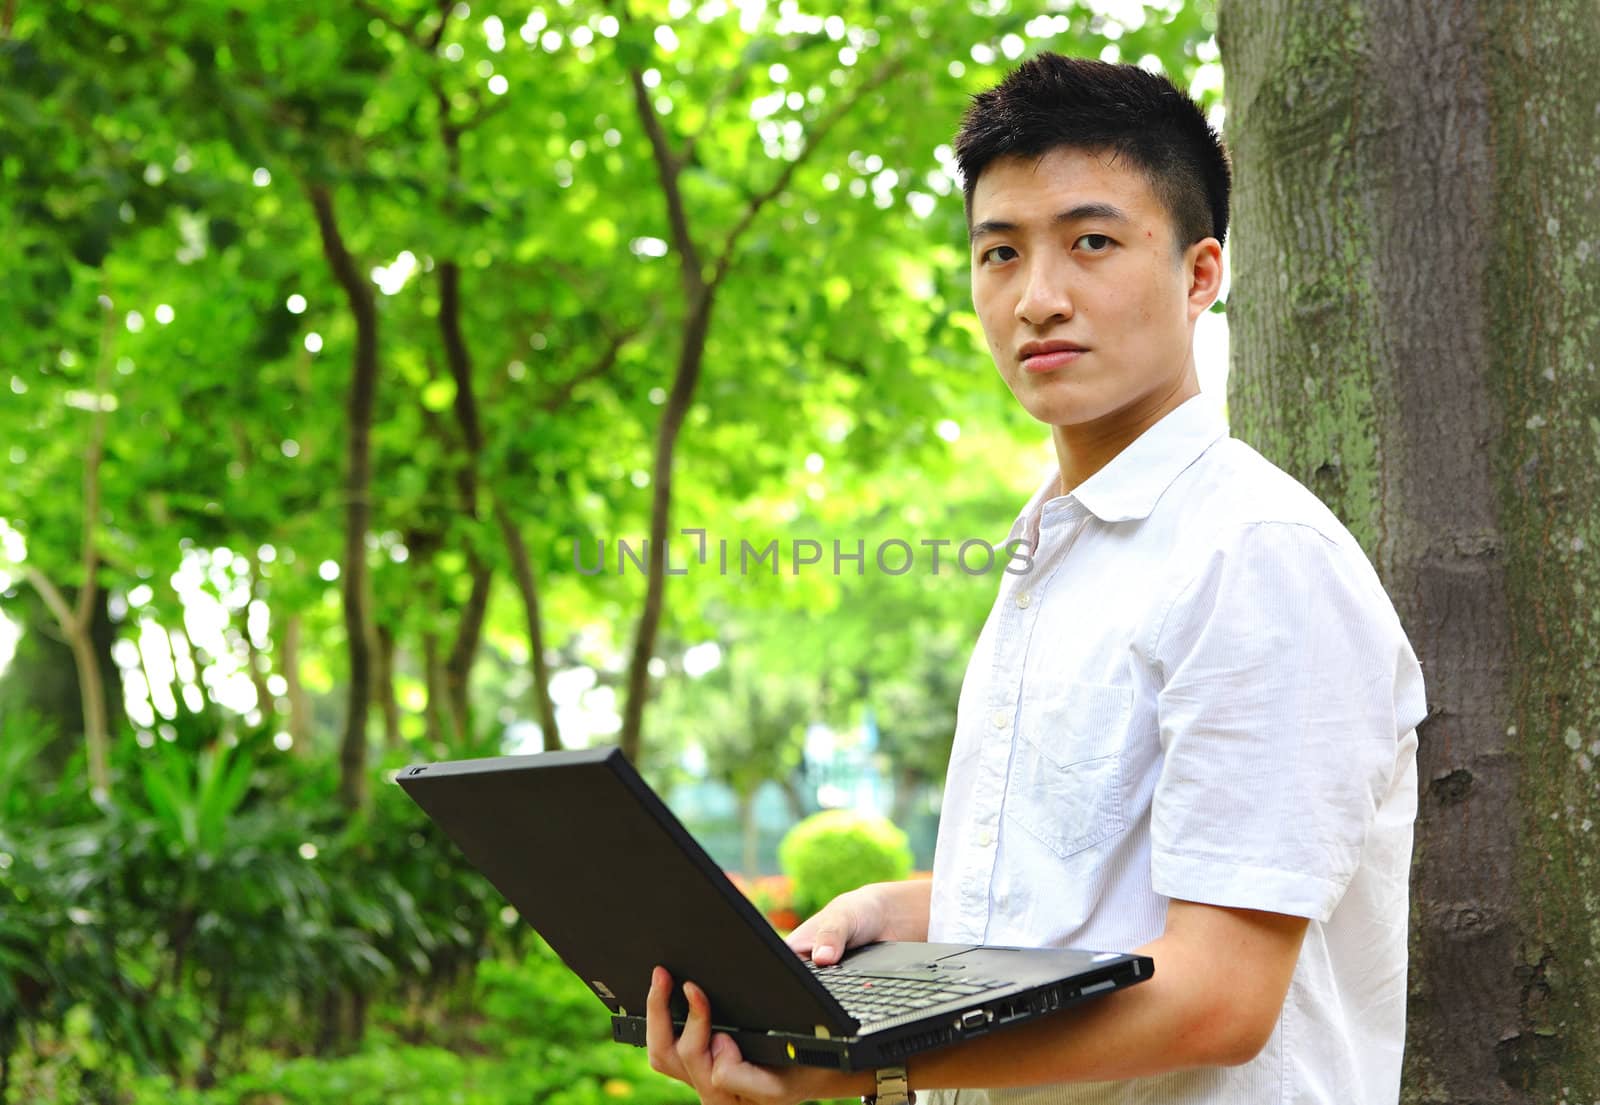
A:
{"x": 1189, "y": 729}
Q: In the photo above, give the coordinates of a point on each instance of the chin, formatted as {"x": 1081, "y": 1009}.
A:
{"x": 1057, "y": 410}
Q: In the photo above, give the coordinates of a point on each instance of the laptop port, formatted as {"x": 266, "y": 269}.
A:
{"x": 973, "y": 1018}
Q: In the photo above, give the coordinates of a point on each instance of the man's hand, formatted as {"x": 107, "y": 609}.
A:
{"x": 712, "y": 1066}
{"x": 880, "y": 911}
{"x": 711, "y": 1063}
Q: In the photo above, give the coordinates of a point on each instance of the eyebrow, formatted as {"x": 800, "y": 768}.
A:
{"x": 1072, "y": 214}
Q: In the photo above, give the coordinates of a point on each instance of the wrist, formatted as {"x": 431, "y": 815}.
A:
{"x": 860, "y": 1083}
{"x": 892, "y": 1088}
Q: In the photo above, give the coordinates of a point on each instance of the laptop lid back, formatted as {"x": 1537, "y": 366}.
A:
{"x": 596, "y": 863}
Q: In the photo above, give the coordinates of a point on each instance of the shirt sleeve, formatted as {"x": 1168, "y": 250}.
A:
{"x": 1286, "y": 685}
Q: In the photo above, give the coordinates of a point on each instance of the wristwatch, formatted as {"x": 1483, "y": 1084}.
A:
{"x": 893, "y": 1089}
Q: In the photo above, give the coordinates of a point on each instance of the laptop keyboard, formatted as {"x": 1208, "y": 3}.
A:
{"x": 869, "y": 997}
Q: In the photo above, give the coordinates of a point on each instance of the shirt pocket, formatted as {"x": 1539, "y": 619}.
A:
{"x": 1065, "y": 787}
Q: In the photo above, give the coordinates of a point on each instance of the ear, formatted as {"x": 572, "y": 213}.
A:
{"x": 1202, "y": 266}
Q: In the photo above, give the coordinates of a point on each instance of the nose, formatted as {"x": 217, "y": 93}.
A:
{"x": 1045, "y": 297}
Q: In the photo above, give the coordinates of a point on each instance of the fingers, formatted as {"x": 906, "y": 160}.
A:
{"x": 730, "y": 1074}
{"x": 658, "y": 1033}
{"x": 694, "y": 1046}
{"x": 803, "y": 937}
{"x": 689, "y": 1056}
{"x": 826, "y": 935}
{"x": 832, "y": 937}
{"x": 712, "y": 1065}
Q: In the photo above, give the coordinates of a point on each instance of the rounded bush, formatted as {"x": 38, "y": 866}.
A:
{"x": 838, "y": 850}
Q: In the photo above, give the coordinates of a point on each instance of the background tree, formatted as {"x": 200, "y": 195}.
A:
{"x": 468, "y": 183}
{"x": 376, "y": 311}
{"x": 1416, "y": 324}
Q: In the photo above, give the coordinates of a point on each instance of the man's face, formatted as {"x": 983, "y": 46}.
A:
{"x": 1087, "y": 304}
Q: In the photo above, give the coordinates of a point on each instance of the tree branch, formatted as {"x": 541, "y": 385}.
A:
{"x": 445, "y": 8}
{"x": 814, "y": 139}
{"x": 91, "y": 462}
{"x": 722, "y": 95}
{"x": 376, "y": 11}
{"x": 53, "y": 598}
{"x": 358, "y": 502}
{"x": 603, "y": 366}
{"x": 668, "y": 167}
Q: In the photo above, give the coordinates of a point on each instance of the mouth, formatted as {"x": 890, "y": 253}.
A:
{"x": 1046, "y": 356}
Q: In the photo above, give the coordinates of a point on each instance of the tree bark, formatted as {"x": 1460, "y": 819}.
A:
{"x": 469, "y": 629}
{"x": 295, "y": 688}
{"x": 383, "y": 674}
{"x": 1416, "y": 320}
{"x": 700, "y": 280}
{"x": 358, "y": 507}
{"x": 691, "y": 355}
{"x": 76, "y": 619}
{"x": 528, "y": 588}
{"x": 258, "y": 662}
{"x": 749, "y": 832}
{"x": 42, "y": 678}
{"x": 433, "y": 677}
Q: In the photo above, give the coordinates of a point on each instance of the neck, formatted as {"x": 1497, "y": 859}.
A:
{"x": 1084, "y": 449}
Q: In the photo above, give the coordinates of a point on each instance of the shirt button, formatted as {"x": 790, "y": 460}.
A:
{"x": 1023, "y": 600}
{"x": 985, "y": 838}
{"x": 1001, "y": 718}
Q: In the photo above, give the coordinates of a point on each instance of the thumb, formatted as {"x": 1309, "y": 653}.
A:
{"x": 826, "y": 935}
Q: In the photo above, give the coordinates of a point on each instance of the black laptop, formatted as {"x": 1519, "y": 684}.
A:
{"x": 599, "y": 866}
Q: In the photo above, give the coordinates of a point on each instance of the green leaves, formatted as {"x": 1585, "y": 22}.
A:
{"x": 160, "y": 158}
{"x": 194, "y": 799}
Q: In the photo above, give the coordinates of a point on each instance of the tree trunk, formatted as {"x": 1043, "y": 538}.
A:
{"x": 383, "y": 674}
{"x": 1416, "y": 324}
{"x": 358, "y": 507}
{"x": 700, "y": 276}
{"x": 458, "y": 665}
{"x": 907, "y": 782}
{"x": 260, "y": 664}
{"x": 749, "y": 832}
{"x": 295, "y": 688}
{"x": 433, "y": 678}
{"x": 77, "y": 619}
{"x": 691, "y": 355}
{"x": 94, "y": 710}
{"x": 42, "y": 678}
{"x": 469, "y": 630}
{"x": 528, "y": 587}
{"x": 103, "y": 633}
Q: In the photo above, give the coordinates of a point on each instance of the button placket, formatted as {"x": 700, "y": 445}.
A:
{"x": 1018, "y": 619}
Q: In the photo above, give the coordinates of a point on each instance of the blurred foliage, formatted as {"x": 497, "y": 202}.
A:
{"x": 835, "y": 851}
{"x": 160, "y": 158}
{"x": 222, "y": 900}
{"x": 218, "y": 911}
{"x": 526, "y": 1030}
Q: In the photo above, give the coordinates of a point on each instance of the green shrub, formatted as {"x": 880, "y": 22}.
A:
{"x": 534, "y": 1036}
{"x": 838, "y": 850}
{"x": 538, "y": 999}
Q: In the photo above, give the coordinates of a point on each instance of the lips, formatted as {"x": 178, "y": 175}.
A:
{"x": 1046, "y": 356}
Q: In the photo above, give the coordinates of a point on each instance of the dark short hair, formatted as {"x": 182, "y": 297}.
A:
{"x": 1051, "y": 101}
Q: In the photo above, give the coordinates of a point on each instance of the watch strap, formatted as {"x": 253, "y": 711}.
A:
{"x": 893, "y": 1088}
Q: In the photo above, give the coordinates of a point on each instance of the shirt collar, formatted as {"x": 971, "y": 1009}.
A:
{"x": 1130, "y": 485}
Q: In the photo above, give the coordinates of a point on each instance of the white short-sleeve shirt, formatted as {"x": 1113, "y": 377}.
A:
{"x": 1197, "y": 690}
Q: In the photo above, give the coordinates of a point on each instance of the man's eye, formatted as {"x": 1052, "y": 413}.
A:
{"x": 990, "y": 254}
{"x": 1095, "y": 243}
